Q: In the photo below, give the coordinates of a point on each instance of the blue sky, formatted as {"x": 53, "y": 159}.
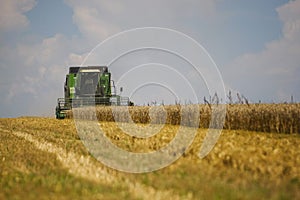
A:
{"x": 255, "y": 44}
{"x": 48, "y": 18}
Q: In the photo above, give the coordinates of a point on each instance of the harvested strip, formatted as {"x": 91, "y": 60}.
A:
{"x": 83, "y": 166}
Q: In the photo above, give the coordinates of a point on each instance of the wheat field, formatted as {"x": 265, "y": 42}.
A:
{"x": 44, "y": 158}
{"x": 270, "y": 118}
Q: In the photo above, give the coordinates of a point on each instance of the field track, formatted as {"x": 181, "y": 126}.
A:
{"x": 84, "y": 167}
{"x": 44, "y": 157}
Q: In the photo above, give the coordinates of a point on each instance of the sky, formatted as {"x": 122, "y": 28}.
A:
{"x": 254, "y": 44}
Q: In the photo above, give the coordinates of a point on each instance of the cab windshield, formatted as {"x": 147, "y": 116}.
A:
{"x": 88, "y": 82}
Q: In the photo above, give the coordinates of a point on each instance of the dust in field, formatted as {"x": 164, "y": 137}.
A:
{"x": 242, "y": 165}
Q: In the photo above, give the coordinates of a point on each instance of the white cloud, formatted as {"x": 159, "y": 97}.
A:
{"x": 290, "y": 15}
{"x": 36, "y": 74}
{"x": 33, "y": 71}
{"x": 91, "y": 24}
{"x": 12, "y": 14}
{"x": 99, "y": 19}
{"x": 75, "y": 59}
{"x": 275, "y": 71}
{"x": 38, "y": 68}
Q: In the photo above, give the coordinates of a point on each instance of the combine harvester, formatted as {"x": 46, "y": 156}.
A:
{"x": 88, "y": 86}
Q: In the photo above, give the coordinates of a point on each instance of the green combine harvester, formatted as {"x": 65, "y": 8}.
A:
{"x": 88, "y": 86}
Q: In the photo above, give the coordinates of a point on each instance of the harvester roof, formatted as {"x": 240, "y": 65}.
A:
{"x": 75, "y": 70}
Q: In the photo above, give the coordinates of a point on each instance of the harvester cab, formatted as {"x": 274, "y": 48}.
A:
{"x": 87, "y": 86}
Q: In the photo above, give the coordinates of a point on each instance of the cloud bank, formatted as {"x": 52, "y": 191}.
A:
{"x": 275, "y": 71}
{"x": 33, "y": 67}
{"x": 12, "y": 14}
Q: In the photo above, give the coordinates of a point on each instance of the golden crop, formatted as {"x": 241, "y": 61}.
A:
{"x": 276, "y": 118}
{"x": 42, "y": 156}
